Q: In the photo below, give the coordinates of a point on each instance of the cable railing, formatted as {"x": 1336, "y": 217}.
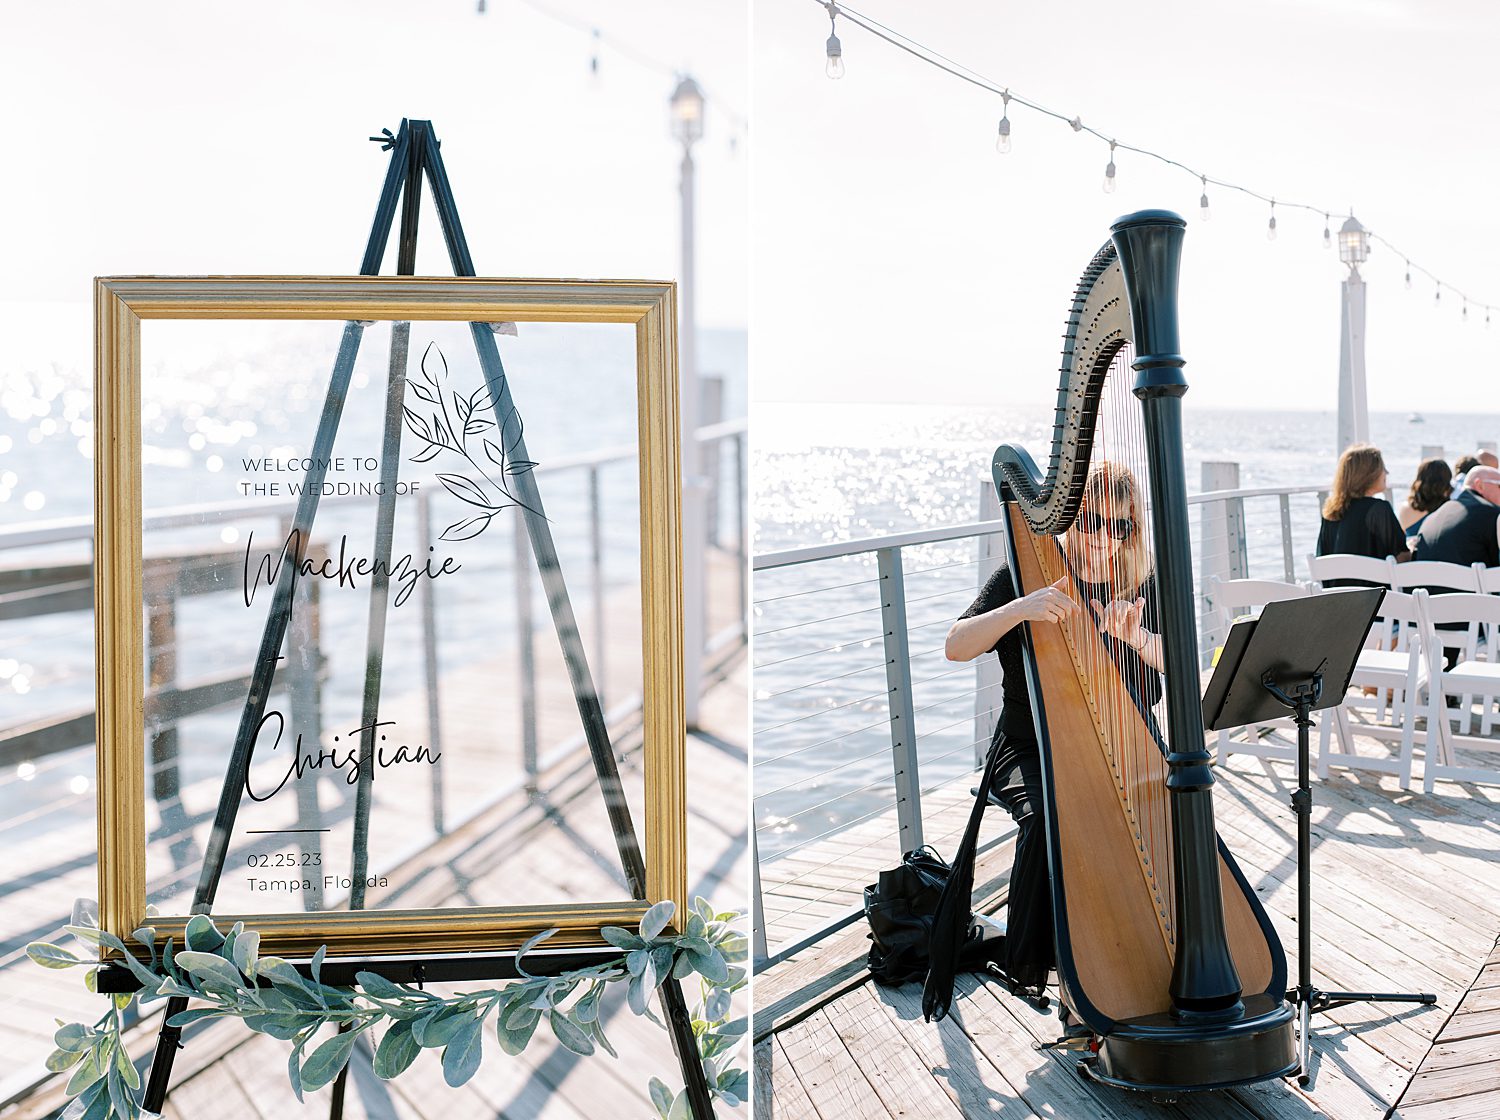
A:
{"x": 848, "y": 776}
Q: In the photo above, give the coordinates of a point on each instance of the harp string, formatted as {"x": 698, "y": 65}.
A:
{"x": 1124, "y": 692}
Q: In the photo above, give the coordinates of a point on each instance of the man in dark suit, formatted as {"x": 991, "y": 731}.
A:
{"x": 1467, "y": 528}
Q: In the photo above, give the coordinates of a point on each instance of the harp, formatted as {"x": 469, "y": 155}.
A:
{"x": 1163, "y": 951}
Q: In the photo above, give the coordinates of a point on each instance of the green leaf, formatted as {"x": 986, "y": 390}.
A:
{"x": 149, "y": 980}
{"x": 710, "y": 964}
{"x": 378, "y": 987}
{"x": 680, "y": 1109}
{"x": 294, "y": 1070}
{"x": 702, "y": 908}
{"x": 317, "y": 964}
{"x": 324, "y": 1063}
{"x": 127, "y": 1069}
{"x": 570, "y": 1034}
{"x": 735, "y": 947}
{"x": 52, "y": 956}
{"x": 397, "y": 1050}
{"x": 462, "y": 1055}
{"x": 586, "y": 1010}
{"x": 280, "y": 1024}
{"x": 246, "y": 952}
{"x": 515, "y": 1031}
{"x": 93, "y": 935}
{"x": 596, "y": 1028}
{"x": 60, "y": 1060}
{"x": 621, "y": 938}
{"x": 88, "y": 1104}
{"x": 73, "y": 1037}
{"x": 656, "y": 919}
{"x": 441, "y": 1027}
{"x": 146, "y": 936}
{"x": 661, "y": 959}
{"x": 120, "y": 1100}
{"x": 210, "y": 967}
{"x": 85, "y": 1075}
{"x": 661, "y": 1096}
{"x": 737, "y": 1027}
{"x": 201, "y": 935}
{"x": 530, "y": 944}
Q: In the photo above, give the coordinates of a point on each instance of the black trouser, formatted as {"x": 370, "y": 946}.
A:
{"x": 1017, "y": 784}
{"x": 1012, "y": 772}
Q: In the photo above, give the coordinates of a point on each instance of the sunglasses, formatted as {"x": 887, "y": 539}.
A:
{"x": 1117, "y": 527}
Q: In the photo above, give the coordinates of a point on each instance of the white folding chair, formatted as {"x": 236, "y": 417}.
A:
{"x": 1392, "y": 661}
{"x": 1345, "y": 565}
{"x": 1471, "y": 677}
{"x": 1232, "y": 598}
{"x": 1435, "y": 573}
{"x": 1489, "y": 579}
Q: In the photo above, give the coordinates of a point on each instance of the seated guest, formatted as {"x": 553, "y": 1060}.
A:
{"x": 1460, "y": 469}
{"x": 1430, "y": 489}
{"x": 1356, "y": 517}
{"x": 1466, "y": 529}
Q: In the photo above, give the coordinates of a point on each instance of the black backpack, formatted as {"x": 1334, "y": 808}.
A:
{"x": 900, "y": 909}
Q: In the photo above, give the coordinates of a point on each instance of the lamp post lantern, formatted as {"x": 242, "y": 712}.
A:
{"x": 1354, "y": 414}
{"x": 687, "y": 129}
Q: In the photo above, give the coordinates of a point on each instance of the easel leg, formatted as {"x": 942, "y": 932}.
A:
{"x": 680, "y": 1026}
{"x": 277, "y": 619}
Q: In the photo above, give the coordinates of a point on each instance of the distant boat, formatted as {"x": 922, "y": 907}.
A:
{"x": 1416, "y": 418}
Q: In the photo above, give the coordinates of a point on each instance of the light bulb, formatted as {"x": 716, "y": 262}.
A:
{"x": 1109, "y": 177}
{"x": 1437, "y": 295}
{"x": 1203, "y": 199}
{"x": 1327, "y": 234}
{"x": 1002, "y": 141}
{"x": 835, "y": 68}
{"x": 1408, "y": 276}
{"x": 1271, "y": 229}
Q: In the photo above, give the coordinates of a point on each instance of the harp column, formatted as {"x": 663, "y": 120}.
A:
{"x": 1204, "y": 980}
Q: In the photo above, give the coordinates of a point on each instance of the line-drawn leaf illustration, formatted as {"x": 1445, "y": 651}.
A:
{"x": 441, "y": 433}
{"x": 424, "y": 456}
{"x": 462, "y": 406}
{"x": 516, "y": 428}
{"x": 464, "y": 530}
{"x": 520, "y": 467}
{"x": 417, "y": 425}
{"x": 461, "y": 487}
{"x": 496, "y": 456}
{"x": 480, "y": 400}
{"x": 474, "y": 427}
{"x": 431, "y": 380}
{"x": 422, "y": 391}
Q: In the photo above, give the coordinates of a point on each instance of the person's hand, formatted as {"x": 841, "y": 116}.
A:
{"x": 1121, "y": 620}
{"x": 1049, "y": 604}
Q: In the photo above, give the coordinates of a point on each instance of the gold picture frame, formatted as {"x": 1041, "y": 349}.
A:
{"x": 121, "y": 304}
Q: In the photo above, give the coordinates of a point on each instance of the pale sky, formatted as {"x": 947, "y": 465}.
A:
{"x": 898, "y": 257}
{"x": 191, "y": 137}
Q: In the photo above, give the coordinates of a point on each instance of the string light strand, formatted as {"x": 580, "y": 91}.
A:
{"x": 958, "y": 70}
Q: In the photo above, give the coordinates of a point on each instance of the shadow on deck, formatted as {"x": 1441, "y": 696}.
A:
{"x": 1406, "y": 896}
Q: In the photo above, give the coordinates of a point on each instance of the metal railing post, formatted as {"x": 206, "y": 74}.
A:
{"x": 742, "y": 531}
{"x": 759, "y": 947}
{"x": 430, "y": 664}
{"x": 1289, "y": 563}
{"x": 525, "y": 647}
{"x": 596, "y": 574}
{"x": 898, "y": 693}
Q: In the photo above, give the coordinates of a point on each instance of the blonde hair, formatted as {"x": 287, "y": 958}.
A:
{"x": 1111, "y": 490}
{"x": 1360, "y": 468}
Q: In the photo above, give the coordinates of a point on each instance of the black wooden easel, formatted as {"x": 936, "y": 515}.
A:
{"x": 415, "y": 154}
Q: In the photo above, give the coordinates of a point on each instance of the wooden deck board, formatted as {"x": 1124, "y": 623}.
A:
{"x": 1406, "y": 896}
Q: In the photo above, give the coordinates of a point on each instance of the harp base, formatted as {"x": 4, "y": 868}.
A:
{"x": 1159, "y": 1054}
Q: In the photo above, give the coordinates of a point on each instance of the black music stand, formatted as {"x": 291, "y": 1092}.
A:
{"x": 1277, "y": 662}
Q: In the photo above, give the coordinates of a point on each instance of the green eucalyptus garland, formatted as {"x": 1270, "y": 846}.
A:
{"x": 225, "y": 972}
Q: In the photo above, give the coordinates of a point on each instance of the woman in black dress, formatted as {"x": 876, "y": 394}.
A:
{"x": 1110, "y": 569}
{"x": 1357, "y": 520}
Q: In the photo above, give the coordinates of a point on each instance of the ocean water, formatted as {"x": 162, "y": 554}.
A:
{"x": 824, "y": 473}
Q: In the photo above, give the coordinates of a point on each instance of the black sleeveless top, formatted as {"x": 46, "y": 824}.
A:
{"x": 1460, "y": 532}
